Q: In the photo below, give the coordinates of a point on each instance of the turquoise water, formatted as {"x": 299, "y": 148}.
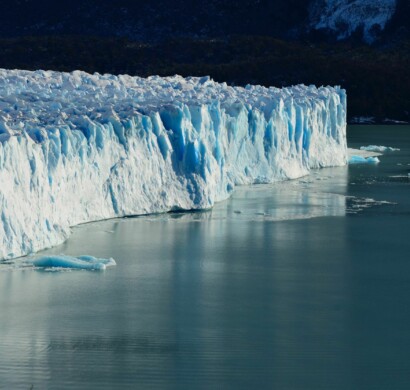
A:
{"x": 299, "y": 285}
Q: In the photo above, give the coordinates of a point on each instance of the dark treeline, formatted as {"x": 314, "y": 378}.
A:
{"x": 377, "y": 79}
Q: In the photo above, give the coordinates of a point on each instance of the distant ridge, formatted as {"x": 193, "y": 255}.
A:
{"x": 163, "y": 19}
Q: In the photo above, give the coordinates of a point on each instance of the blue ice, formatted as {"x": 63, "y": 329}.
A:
{"x": 79, "y": 262}
{"x": 363, "y": 160}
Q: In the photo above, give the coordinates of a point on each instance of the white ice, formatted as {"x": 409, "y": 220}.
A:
{"x": 363, "y": 160}
{"x": 380, "y": 149}
{"x": 345, "y": 17}
{"x": 76, "y": 147}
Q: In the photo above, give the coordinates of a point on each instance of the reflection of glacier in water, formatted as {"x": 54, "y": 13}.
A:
{"x": 321, "y": 194}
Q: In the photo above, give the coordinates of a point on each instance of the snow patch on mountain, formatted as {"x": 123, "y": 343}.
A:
{"x": 344, "y": 17}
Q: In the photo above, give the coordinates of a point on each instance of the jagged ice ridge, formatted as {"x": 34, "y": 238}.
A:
{"x": 76, "y": 147}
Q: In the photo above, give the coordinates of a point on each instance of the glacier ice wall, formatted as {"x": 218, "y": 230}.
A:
{"x": 76, "y": 147}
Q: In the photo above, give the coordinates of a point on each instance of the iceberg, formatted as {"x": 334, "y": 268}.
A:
{"x": 78, "y": 147}
{"x": 363, "y": 160}
{"x": 80, "y": 262}
{"x": 379, "y": 149}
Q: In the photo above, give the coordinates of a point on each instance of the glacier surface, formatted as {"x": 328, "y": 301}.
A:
{"x": 76, "y": 147}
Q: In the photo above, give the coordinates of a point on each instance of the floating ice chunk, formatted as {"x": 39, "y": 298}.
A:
{"x": 356, "y": 204}
{"x": 380, "y": 149}
{"x": 79, "y": 262}
{"x": 363, "y": 160}
{"x": 362, "y": 153}
{"x": 395, "y": 121}
{"x": 363, "y": 120}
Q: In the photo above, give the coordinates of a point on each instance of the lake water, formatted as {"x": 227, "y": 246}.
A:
{"x": 299, "y": 285}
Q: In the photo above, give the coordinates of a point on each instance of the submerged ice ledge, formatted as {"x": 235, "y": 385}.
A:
{"x": 76, "y": 147}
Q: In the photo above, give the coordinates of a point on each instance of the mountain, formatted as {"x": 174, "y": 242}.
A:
{"x": 162, "y": 19}
{"x": 362, "y": 45}
{"x": 344, "y": 18}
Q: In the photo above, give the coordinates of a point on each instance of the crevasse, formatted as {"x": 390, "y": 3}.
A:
{"x": 76, "y": 147}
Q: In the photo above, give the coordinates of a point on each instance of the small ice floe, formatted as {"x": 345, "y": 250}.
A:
{"x": 363, "y": 120}
{"x": 395, "y": 121}
{"x": 355, "y": 153}
{"x": 363, "y": 160}
{"x": 379, "y": 148}
{"x": 400, "y": 178}
{"x": 79, "y": 262}
{"x": 355, "y": 205}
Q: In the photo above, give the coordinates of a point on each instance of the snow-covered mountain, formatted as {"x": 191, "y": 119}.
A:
{"x": 344, "y": 17}
{"x": 164, "y": 19}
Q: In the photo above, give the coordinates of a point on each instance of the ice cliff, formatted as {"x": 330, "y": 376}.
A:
{"x": 76, "y": 147}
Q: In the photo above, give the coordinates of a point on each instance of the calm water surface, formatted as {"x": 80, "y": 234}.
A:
{"x": 301, "y": 285}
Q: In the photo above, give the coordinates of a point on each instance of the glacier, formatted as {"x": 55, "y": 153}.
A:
{"x": 78, "y": 147}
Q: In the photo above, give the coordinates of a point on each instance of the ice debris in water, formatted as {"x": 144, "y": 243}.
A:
{"x": 380, "y": 149}
{"x": 363, "y": 160}
{"x": 79, "y": 262}
{"x": 76, "y": 147}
